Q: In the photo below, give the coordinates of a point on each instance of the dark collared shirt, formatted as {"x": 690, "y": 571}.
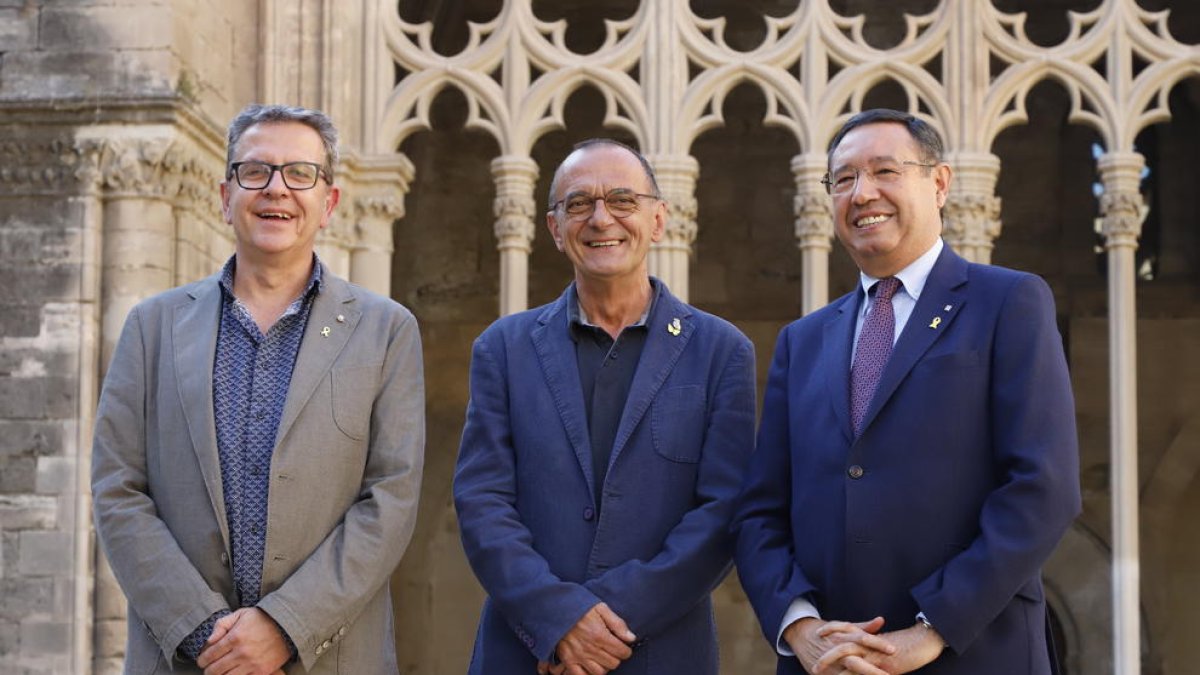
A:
{"x": 251, "y": 375}
{"x": 606, "y": 370}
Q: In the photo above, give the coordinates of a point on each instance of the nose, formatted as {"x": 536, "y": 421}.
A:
{"x": 864, "y": 189}
{"x": 275, "y": 184}
{"x": 601, "y": 216}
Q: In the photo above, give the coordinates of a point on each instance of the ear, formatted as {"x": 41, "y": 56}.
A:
{"x": 660, "y": 221}
{"x": 331, "y": 201}
{"x": 225, "y": 196}
{"x": 942, "y": 177}
{"x": 552, "y": 225}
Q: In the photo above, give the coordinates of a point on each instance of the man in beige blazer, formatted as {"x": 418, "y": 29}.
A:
{"x": 259, "y": 440}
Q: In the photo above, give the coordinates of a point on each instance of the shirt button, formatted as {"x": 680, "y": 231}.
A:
{"x": 855, "y": 471}
{"x": 224, "y": 558}
{"x": 588, "y": 513}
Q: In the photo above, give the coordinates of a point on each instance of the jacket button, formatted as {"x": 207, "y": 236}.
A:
{"x": 588, "y": 513}
{"x": 855, "y": 471}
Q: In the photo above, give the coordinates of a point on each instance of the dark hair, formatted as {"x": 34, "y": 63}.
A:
{"x": 593, "y": 142}
{"x": 927, "y": 138}
{"x": 256, "y": 113}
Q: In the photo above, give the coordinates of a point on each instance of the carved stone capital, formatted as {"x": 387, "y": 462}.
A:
{"x": 814, "y": 220}
{"x": 972, "y": 218}
{"x": 1122, "y": 214}
{"x": 57, "y": 165}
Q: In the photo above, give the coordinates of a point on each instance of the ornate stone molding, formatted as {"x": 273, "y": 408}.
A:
{"x": 1122, "y": 208}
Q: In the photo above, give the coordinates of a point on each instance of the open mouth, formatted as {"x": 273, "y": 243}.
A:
{"x": 274, "y": 215}
{"x": 603, "y": 244}
{"x": 868, "y": 221}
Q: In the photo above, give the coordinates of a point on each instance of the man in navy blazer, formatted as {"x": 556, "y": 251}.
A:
{"x": 605, "y": 442}
{"x": 910, "y": 539}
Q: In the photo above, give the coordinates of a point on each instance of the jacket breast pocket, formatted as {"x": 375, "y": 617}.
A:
{"x": 354, "y": 391}
{"x": 678, "y": 422}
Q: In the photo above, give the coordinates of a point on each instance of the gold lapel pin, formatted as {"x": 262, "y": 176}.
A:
{"x": 937, "y": 320}
{"x": 674, "y": 327}
{"x": 325, "y": 331}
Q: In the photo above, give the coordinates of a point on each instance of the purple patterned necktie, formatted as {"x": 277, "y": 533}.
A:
{"x": 874, "y": 348}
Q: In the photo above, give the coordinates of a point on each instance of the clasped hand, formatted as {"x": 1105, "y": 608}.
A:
{"x": 246, "y": 642}
{"x": 596, "y": 644}
{"x": 845, "y": 648}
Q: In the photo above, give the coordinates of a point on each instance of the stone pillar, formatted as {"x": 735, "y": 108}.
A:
{"x": 971, "y": 217}
{"x": 669, "y": 258}
{"x": 378, "y": 191}
{"x": 1122, "y": 211}
{"x": 514, "y": 208}
{"x": 813, "y": 209}
{"x": 138, "y": 260}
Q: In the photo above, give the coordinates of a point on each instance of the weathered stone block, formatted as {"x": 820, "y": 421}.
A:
{"x": 8, "y": 638}
{"x": 21, "y": 437}
{"x": 18, "y": 29}
{"x": 45, "y": 637}
{"x": 18, "y": 475}
{"x": 33, "y": 76}
{"x": 19, "y": 321}
{"x": 45, "y": 553}
{"x": 27, "y": 512}
{"x": 105, "y": 28}
{"x": 55, "y": 475}
{"x": 29, "y": 285}
{"x": 25, "y": 596}
{"x": 37, "y": 397}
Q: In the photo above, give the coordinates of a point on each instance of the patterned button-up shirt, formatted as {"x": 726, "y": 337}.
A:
{"x": 251, "y": 374}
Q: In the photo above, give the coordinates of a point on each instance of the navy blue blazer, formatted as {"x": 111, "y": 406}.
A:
{"x": 660, "y": 543}
{"x": 960, "y": 486}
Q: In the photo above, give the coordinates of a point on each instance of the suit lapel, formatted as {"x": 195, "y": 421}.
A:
{"x": 836, "y": 347}
{"x": 194, "y": 338}
{"x": 659, "y": 355}
{"x": 556, "y": 354}
{"x": 930, "y": 319}
{"x": 324, "y": 337}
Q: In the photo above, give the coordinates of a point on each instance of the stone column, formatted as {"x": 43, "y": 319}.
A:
{"x": 813, "y": 209}
{"x": 669, "y": 259}
{"x": 514, "y": 208}
{"x": 1122, "y": 211}
{"x": 138, "y": 261}
{"x": 380, "y": 184}
{"x": 971, "y": 217}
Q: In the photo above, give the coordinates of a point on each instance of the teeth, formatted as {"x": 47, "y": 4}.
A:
{"x": 282, "y": 216}
{"x": 870, "y": 220}
{"x": 602, "y": 244}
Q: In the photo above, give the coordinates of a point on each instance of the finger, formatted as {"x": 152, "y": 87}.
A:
{"x": 860, "y": 666}
{"x": 615, "y": 623}
{"x": 543, "y": 668}
{"x": 831, "y": 627}
{"x": 877, "y": 643}
{"x": 832, "y": 659}
{"x": 872, "y": 626}
{"x": 593, "y": 668}
{"x": 213, "y": 652}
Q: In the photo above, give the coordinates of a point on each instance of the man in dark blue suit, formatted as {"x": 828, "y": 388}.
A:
{"x": 606, "y": 439}
{"x": 917, "y": 459}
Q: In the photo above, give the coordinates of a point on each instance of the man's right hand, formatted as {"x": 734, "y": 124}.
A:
{"x": 596, "y": 644}
{"x": 811, "y": 638}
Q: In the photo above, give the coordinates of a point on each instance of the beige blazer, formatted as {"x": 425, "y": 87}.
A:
{"x": 344, "y": 482}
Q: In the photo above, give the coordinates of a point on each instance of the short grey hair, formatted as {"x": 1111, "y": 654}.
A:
{"x": 256, "y": 113}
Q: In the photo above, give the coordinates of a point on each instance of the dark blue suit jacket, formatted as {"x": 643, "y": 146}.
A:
{"x": 960, "y": 486}
{"x": 661, "y": 541}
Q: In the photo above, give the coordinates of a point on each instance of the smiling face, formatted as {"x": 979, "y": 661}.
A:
{"x": 277, "y": 223}
{"x": 885, "y": 228}
{"x": 603, "y": 247}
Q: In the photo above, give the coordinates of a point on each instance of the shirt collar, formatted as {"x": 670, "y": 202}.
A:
{"x": 912, "y": 277}
{"x": 577, "y": 317}
{"x": 314, "y": 286}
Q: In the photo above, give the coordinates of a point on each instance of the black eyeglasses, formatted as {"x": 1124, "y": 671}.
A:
{"x": 296, "y": 175}
{"x": 620, "y": 202}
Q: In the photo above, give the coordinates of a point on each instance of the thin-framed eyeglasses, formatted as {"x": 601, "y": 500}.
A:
{"x": 620, "y": 202}
{"x": 882, "y": 175}
{"x": 254, "y": 175}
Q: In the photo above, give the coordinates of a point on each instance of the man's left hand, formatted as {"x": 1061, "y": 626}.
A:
{"x": 245, "y": 642}
{"x": 916, "y": 646}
